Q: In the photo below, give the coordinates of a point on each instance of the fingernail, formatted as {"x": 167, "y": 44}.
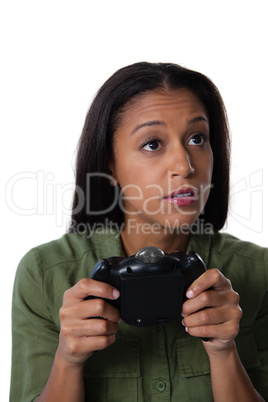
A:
{"x": 190, "y": 294}
{"x": 183, "y": 323}
{"x": 116, "y": 293}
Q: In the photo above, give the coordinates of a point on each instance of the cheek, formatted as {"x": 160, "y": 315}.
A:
{"x": 205, "y": 165}
{"x": 133, "y": 171}
{"x": 140, "y": 187}
{"x": 140, "y": 183}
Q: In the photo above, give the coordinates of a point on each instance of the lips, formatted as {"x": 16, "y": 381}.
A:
{"x": 184, "y": 196}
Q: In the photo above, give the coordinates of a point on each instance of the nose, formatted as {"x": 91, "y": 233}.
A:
{"x": 180, "y": 164}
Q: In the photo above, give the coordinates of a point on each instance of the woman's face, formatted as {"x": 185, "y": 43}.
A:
{"x": 163, "y": 159}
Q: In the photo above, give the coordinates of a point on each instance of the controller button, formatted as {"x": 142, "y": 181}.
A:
{"x": 150, "y": 255}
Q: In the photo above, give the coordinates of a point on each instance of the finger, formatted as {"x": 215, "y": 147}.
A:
{"x": 100, "y": 308}
{"x": 212, "y": 278}
{"x": 209, "y": 298}
{"x": 99, "y": 327}
{"x": 95, "y": 343}
{"x": 72, "y": 312}
{"x": 213, "y": 316}
{"x": 80, "y": 348}
{"x": 93, "y": 327}
{"x": 89, "y": 287}
{"x": 226, "y": 331}
{"x": 210, "y": 316}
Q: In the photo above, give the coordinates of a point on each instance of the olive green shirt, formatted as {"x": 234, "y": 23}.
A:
{"x": 161, "y": 363}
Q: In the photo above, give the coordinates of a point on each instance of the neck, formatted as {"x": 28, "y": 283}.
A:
{"x": 134, "y": 239}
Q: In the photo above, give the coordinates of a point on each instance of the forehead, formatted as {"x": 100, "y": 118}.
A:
{"x": 182, "y": 102}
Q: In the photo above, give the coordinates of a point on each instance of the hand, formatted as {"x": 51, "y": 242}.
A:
{"x": 79, "y": 335}
{"x": 212, "y": 311}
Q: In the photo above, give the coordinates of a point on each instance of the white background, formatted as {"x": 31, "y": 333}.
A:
{"x": 56, "y": 54}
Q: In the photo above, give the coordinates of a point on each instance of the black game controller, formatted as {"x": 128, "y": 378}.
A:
{"x": 152, "y": 284}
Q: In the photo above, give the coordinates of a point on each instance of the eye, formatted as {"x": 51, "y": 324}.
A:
{"x": 151, "y": 145}
{"x": 198, "y": 139}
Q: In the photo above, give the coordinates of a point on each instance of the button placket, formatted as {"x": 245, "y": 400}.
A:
{"x": 161, "y": 381}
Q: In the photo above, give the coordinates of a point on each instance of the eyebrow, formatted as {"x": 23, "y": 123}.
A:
{"x": 148, "y": 124}
{"x": 197, "y": 119}
{"x": 162, "y": 123}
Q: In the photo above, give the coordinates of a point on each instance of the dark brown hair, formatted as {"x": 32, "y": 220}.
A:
{"x": 94, "y": 195}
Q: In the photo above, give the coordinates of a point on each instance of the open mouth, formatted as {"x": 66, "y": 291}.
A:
{"x": 183, "y": 196}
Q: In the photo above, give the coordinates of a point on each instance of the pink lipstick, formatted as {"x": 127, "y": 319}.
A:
{"x": 183, "y": 197}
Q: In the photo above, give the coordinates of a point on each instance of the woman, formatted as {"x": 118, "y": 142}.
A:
{"x": 152, "y": 170}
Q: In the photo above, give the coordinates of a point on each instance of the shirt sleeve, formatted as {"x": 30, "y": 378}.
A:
{"x": 34, "y": 333}
{"x": 259, "y": 375}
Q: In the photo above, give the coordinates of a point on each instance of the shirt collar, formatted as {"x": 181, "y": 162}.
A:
{"x": 200, "y": 244}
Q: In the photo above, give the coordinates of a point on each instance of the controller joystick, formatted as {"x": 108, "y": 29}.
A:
{"x": 152, "y": 283}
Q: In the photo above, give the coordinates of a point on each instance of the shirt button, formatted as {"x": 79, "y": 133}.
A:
{"x": 161, "y": 386}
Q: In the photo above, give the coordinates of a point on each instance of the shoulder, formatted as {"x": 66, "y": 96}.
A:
{"x": 225, "y": 244}
{"x": 61, "y": 263}
{"x": 237, "y": 257}
{"x": 230, "y": 254}
{"x": 73, "y": 248}
{"x": 241, "y": 258}
{"x": 47, "y": 270}
{"x": 68, "y": 248}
